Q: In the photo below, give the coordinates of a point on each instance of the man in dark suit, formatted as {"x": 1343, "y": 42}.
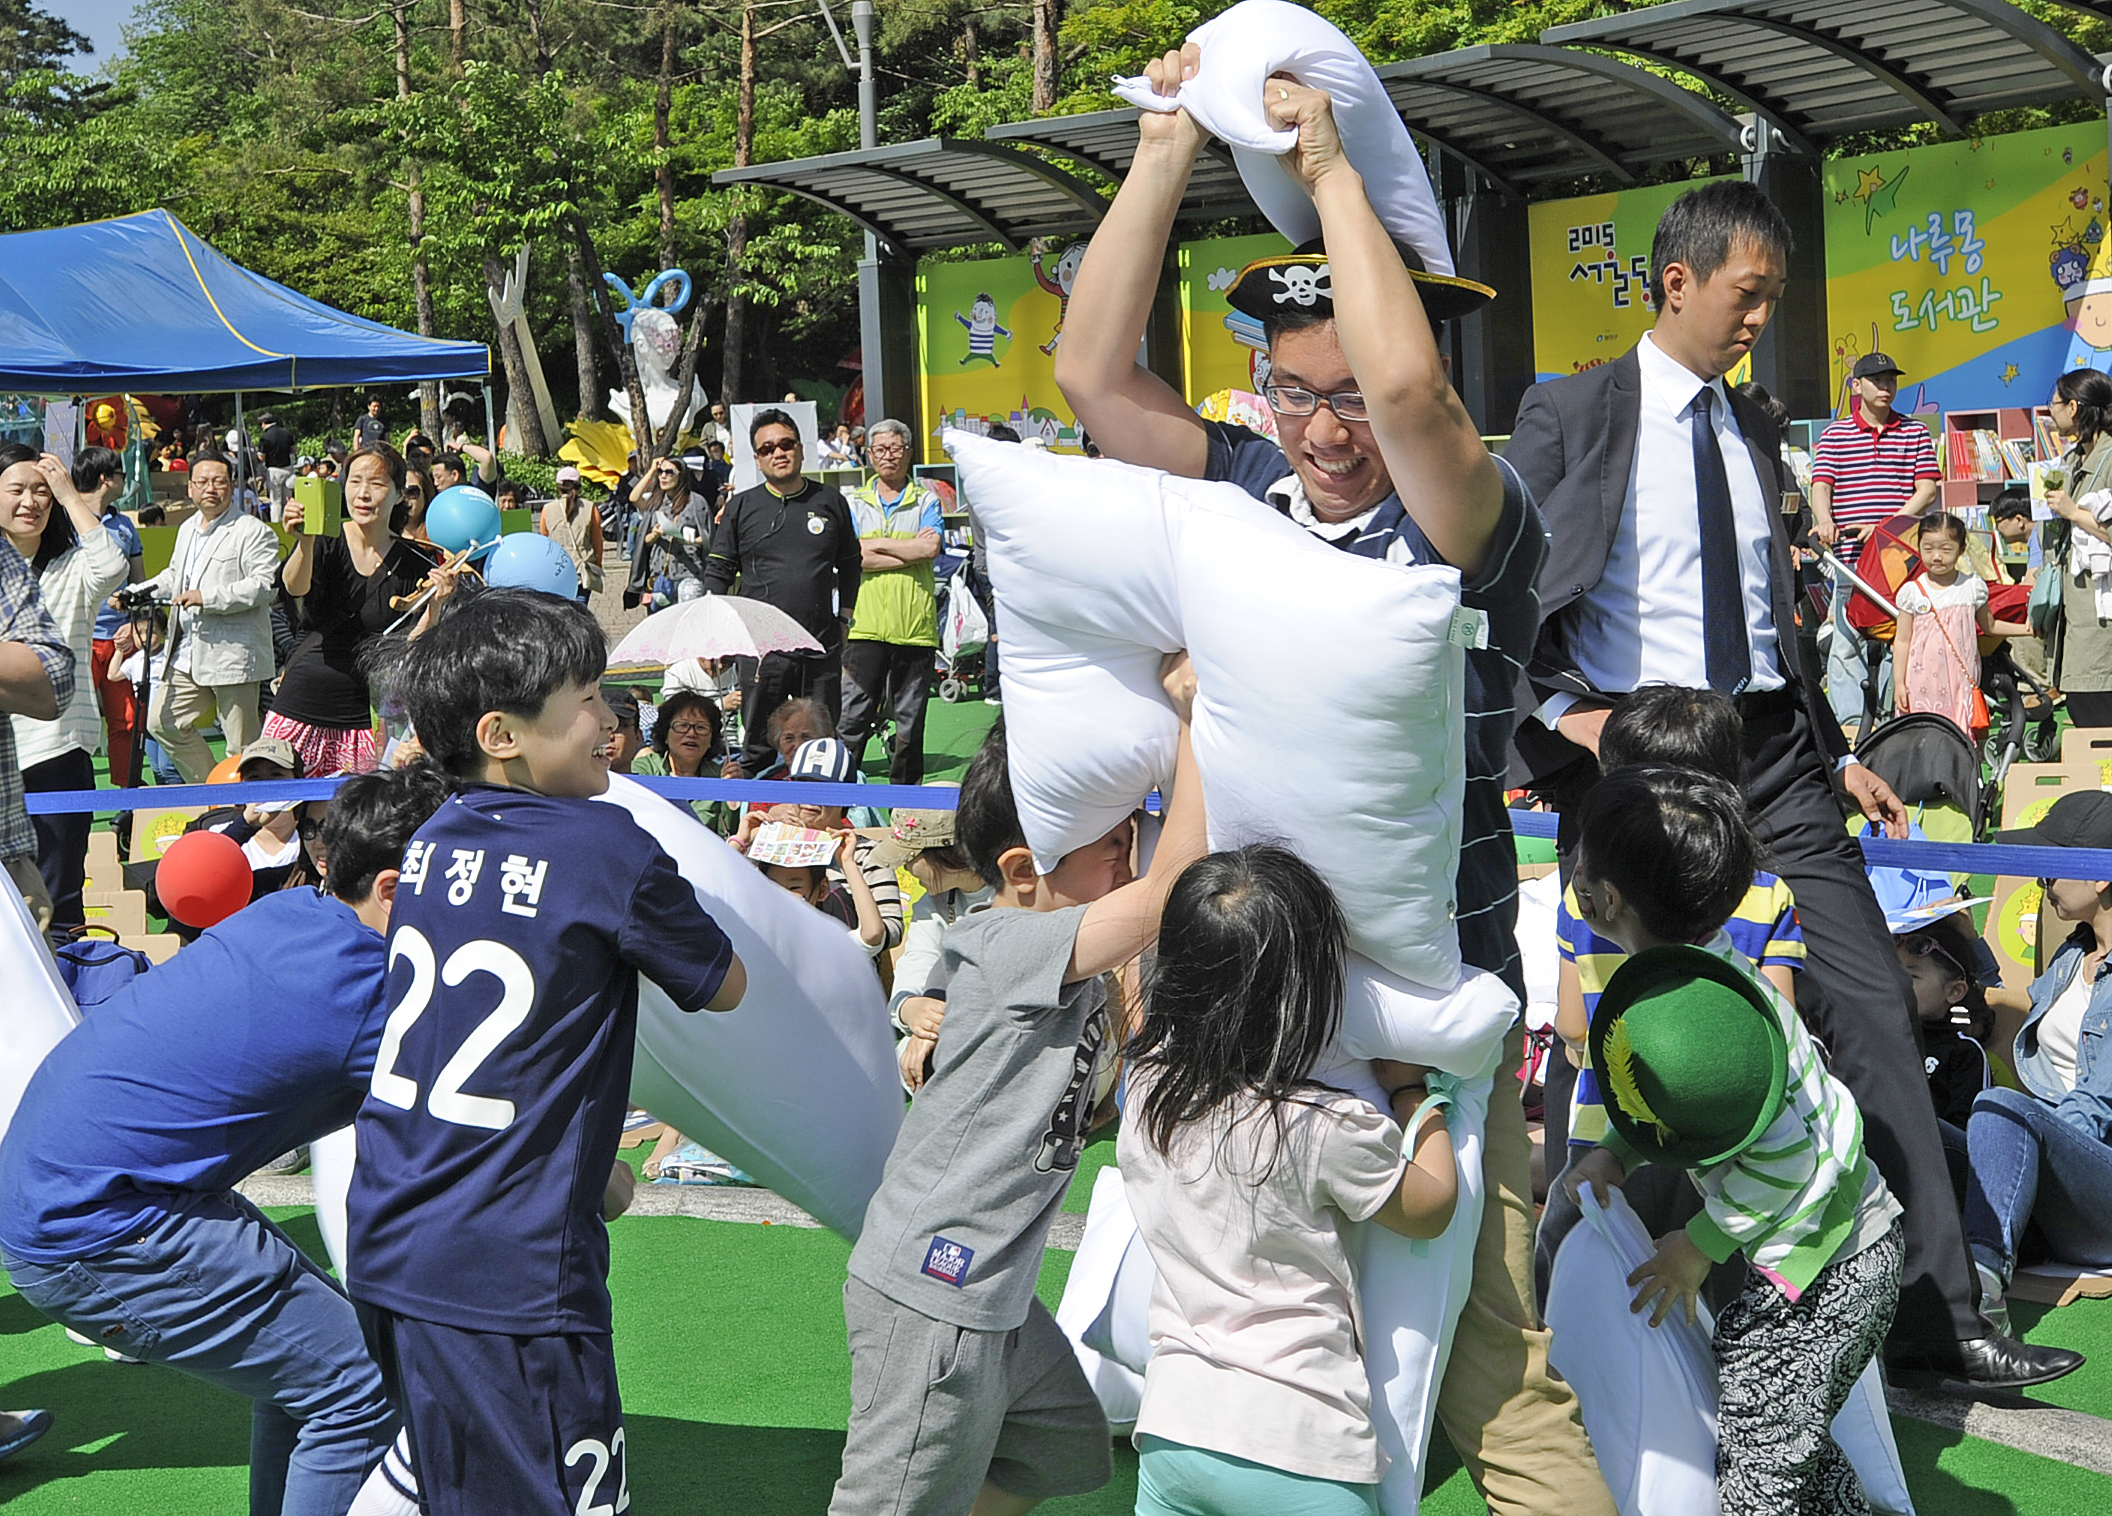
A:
{"x": 1669, "y": 563}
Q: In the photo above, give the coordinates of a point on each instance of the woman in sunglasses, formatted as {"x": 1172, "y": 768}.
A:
{"x": 2042, "y": 1156}
{"x": 677, "y": 530}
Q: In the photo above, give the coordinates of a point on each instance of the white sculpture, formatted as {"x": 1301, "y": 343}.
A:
{"x": 656, "y": 346}
{"x": 507, "y": 305}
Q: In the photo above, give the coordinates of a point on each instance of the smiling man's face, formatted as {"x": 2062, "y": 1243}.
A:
{"x": 1337, "y": 461}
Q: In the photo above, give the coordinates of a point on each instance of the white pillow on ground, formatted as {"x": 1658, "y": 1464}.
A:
{"x": 1257, "y": 38}
{"x": 36, "y": 1009}
{"x": 1099, "y": 568}
{"x": 1648, "y": 1394}
{"x": 798, "y": 1084}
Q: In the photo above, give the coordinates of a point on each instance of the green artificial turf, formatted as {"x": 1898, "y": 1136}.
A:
{"x": 729, "y": 1339}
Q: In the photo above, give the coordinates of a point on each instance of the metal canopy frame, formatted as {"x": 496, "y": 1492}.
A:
{"x": 1602, "y": 115}
{"x": 1817, "y": 70}
{"x": 941, "y": 192}
{"x": 1106, "y": 142}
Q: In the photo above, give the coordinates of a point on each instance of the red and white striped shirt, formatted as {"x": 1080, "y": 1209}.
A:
{"x": 1872, "y": 470}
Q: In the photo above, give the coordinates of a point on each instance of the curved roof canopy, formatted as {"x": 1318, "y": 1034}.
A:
{"x": 1522, "y": 113}
{"x": 143, "y": 303}
{"x": 1821, "y": 69}
{"x": 941, "y": 192}
{"x": 1107, "y": 141}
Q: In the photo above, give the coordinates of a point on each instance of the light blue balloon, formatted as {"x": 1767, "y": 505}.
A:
{"x": 462, "y": 514}
{"x": 525, "y": 561}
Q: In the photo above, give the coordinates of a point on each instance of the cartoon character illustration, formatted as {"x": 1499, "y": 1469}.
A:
{"x": 2084, "y": 278}
{"x": 983, "y": 330}
{"x": 1059, "y": 284}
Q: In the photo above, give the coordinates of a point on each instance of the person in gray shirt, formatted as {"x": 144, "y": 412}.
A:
{"x": 964, "y": 1392}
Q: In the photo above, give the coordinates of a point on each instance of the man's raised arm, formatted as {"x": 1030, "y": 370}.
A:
{"x": 1132, "y": 413}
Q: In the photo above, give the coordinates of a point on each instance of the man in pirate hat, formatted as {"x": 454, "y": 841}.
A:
{"x": 1376, "y": 454}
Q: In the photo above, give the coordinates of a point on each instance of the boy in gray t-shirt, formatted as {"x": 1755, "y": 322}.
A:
{"x": 964, "y": 1392}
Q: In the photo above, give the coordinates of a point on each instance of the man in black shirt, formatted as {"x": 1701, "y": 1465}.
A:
{"x": 276, "y": 444}
{"x": 792, "y": 544}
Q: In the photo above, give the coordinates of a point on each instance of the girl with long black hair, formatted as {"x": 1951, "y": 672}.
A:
{"x": 1244, "y": 1176}
{"x": 2082, "y": 666}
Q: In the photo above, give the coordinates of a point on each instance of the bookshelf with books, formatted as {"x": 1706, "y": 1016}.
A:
{"x": 1981, "y": 451}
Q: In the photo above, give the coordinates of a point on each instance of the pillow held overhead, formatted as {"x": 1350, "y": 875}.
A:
{"x": 1257, "y": 38}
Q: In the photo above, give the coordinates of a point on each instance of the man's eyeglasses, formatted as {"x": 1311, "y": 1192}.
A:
{"x": 783, "y": 445}
{"x": 1290, "y": 400}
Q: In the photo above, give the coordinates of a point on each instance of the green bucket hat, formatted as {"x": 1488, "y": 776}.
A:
{"x": 1690, "y": 1057}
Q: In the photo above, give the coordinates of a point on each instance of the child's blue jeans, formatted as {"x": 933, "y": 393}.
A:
{"x": 225, "y": 1296}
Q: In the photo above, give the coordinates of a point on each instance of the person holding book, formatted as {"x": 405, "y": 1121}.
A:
{"x": 1871, "y": 465}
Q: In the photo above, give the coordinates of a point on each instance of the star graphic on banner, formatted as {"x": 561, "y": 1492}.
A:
{"x": 1868, "y": 181}
{"x": 2010, "y": 373}
{"x": 1880, "y": 196}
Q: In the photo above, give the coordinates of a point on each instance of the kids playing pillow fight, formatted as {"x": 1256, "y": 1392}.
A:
{"x": 509, "y": 946}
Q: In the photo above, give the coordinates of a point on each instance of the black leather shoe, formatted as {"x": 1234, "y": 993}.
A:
{"x": 2003, "y": 1363}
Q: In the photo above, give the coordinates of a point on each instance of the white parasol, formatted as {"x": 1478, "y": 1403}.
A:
{"x": 715, "y": 626}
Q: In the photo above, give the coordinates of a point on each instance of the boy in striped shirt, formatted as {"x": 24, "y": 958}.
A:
{"x": 1708, "y": 1069}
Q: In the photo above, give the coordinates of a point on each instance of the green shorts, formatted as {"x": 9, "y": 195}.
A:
{"x": 1174, "y": 1479}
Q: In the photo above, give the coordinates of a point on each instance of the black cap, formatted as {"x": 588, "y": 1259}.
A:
{"x": 1299, "y": 281}
{"x": 1870, "y": 365}
{"x": 2081, "y": 819}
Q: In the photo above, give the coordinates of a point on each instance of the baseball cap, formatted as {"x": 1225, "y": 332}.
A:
{"x": 2082, "y": 819}
{"x": 568, "y": 475}
{"x": 824, "y": 759}
{"x": 271, "y": 750}
{"x": 913, "y": 832}
{"x": 1870, "y": 365}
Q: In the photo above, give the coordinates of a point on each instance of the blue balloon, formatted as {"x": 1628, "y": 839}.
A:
{"x": 462, "y": 514}
{"x": 525, "y": 561}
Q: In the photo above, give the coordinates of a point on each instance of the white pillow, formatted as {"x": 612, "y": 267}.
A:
{"x": 36, "y": 1009}
{"x": 798, "y": 1084}
{"x": 1331, "y": 692}
{"x": 1648, "y": 1394}
{"x": 1257, "y": 38}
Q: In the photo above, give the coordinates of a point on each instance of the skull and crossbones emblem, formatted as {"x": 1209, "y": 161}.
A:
{"x": 1302, "y": 285}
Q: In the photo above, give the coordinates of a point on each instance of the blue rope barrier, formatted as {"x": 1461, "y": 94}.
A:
{"x": 1937, "y": 857}
{"x": 1957, "y": 857}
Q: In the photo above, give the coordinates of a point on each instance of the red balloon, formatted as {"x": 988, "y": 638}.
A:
{"x": 203, "y": 879}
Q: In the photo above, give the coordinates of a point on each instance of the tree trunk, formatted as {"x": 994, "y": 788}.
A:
{"x": 519, "y": 387}
{"x": 421, "y": 270}
{"x": 972, "y": 53}
{"x": 457, "y": 34}
{"x": 1048, "y": 21}
{"x": 685, "y": 383}
{"x": 582, "y": 333}
{"x": 612, "y": 332}
{"x": 733, "y": 361}
{"x": 663, "y": 167}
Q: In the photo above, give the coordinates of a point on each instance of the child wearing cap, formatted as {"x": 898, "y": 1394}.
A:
{"x": 927, "y": 844}
{"x": 825, "y": 760}
{"x": 1707, "y": 1069}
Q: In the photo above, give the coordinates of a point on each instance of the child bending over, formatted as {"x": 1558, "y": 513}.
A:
{"x": 1708, "y": 1069}
{"x": 1244, "y": 1176}
{"x": 964, "y": 1391}
{"x": 524, "y": 915}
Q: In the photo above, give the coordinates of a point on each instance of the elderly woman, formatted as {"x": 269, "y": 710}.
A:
{"x": 2041, "y": 1157}
{"x": 79, "y": 564}
{"x": 686, "y": 745}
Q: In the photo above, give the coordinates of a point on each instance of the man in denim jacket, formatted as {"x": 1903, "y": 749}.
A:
{"x": 2044, "y": 1154}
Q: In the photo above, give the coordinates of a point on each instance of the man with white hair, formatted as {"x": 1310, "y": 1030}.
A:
{"x": 887, "y": 661}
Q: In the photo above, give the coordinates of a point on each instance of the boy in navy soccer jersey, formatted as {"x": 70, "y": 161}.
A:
{"x": 525, "y": 914}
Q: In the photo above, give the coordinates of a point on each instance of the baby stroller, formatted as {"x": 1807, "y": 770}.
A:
{"x": 964, "y": 637}
{"x": 1935, "y": 769}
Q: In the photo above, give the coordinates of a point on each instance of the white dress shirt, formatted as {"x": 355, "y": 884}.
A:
{"x": 1642, "y": 622}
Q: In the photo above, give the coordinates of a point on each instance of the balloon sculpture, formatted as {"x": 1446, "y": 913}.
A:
{"x": 602, "y": 449}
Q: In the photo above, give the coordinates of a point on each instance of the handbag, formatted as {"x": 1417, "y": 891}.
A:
{"x": 2044, "y": 608}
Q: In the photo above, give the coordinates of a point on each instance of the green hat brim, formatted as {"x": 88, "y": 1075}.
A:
{"x": 1648, "y": 973}
{"x": 1254, "y": 293}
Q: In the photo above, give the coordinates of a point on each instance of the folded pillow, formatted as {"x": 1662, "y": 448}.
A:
{"x": 1257, "y": 38}
{"x": 1330, "y": 707}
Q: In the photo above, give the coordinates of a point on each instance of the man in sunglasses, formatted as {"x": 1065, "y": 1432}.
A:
{"x": 791, "y": 543}
{"x": 1376, "y": 455}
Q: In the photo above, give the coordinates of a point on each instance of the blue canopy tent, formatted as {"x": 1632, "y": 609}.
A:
{"x": 142, "y": 303}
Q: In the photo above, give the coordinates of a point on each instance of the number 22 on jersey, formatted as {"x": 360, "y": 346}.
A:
{"x": 447, "y": 1101}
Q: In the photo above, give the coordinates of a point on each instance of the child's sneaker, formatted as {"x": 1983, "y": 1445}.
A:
{"x": 693, "y": 1163}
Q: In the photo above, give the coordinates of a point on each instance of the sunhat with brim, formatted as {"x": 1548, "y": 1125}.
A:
{"x": 912, "y": 832}
{"x": 1284, "y": 283}
{"x": 1691, "y": 1059}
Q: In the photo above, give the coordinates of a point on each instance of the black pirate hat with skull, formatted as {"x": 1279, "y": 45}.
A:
{"x": 1297, "y": 282}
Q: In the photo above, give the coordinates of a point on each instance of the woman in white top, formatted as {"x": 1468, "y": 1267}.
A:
{"x": 1245, "y": 1178}
{"x": 79, "y": 564}
{"x": 2042, "y": 1156}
